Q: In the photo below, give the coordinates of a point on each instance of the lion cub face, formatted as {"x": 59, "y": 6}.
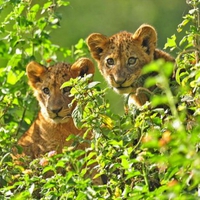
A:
{"x": 121, "y": 57}
{"x": 46, "y": 83}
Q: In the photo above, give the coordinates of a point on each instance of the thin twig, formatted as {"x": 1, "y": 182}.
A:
{"x": 20, "y": 122}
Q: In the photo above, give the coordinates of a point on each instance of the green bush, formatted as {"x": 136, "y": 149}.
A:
{"x": 149, "y": 153}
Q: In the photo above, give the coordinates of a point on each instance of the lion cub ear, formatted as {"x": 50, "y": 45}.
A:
{"x": 147, "y": 37}
{"x": 34, "y": 72}
{"x": 96, "y": 43}
{"x": 81, "y": 67}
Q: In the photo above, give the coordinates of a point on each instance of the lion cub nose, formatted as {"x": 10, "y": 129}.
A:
{"x": 119, "y": 80}
{"x": 56, "y": 111}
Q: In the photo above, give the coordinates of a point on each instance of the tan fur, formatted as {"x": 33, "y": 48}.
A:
{"x": 54, "y": 122}
{"x": 122, "y": 56}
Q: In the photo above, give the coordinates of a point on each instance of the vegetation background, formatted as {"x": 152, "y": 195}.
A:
{"x": 82, "y": 18}
{"x": 151, "y": 153}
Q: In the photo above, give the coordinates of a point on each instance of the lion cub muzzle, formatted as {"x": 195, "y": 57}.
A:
{"x": 56, "y": 111}
{"x": 121, "y": 83}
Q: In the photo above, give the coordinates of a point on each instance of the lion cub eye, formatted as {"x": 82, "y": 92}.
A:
{"x": 46, "y": 90}
{"x": 110, "y": 61}
{"x": 132, "y": 60}
{"x": 66, "y": 89}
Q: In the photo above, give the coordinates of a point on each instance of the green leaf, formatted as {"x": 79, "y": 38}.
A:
{"x": 47, "y": 5}
{"x": 77, "y": 115}
{"x": 93, "y": 84}
{"x": 60, "y": 163}
{"x": 55, "y": 21}
{"x": 48, "y": 168}
{"x": 66, "y": 84}
{"x": 167, "y": 68}
{"x": 152, "y": 67}
{"x": 183, "y": 40}
{"x": 81, "y": 196}
{"x": 125, "y": 162}
{"x": 20, "y": 9}
{"x": 31, "y": 189}
{"x": 62, "y": 3}
{"x": 185, "y": 21}
{"x": 149, "y": 82}
{"x": 133, "y": 173}
{"x": 107, "y": 121}
{"x": 33, "y": 12}
{"x": 80, "y": 44}
{"x": 12, "y": 77}
{"x": 171, "y": 42}
{"x": 21, "y": 196}
{"x": 159, "y": 100}
{"x": 35, "y": 8}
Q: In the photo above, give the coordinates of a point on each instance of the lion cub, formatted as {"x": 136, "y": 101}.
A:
{"x": 122, "y": 56}
{"x": 54, "y": 122}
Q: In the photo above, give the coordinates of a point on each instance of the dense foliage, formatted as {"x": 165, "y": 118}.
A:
{"x": 150, "y": 153}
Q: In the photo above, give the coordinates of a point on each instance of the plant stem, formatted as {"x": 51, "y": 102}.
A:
{"x": 145, "y": 175}
{"x": 20, "y": 122}
{"x": 196, "y": 37}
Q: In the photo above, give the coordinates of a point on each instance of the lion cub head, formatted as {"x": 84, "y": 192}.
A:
{"x": 122, "y": 56}
{"x": 46, "y": 83}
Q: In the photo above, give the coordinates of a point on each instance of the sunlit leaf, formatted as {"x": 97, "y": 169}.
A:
{"x": 80, "y": 44}
{"x": 35, "y": 8}
{"x": 77, "y": 115}
{"x": 66, "y": 84}
{"x": 31, "y": 189}
{"x": 171, "y": 42}
{"x": 22, "y": 196}
{"x": 81, "y": 195}
{"x": 159, "y": 100}
{"x": 167, "y": 68}
{"x": 48, "y": 168}
{"x": 107, "y": 121}
{"x": 47, "y": 5}
{"x": 93, "y": 84}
